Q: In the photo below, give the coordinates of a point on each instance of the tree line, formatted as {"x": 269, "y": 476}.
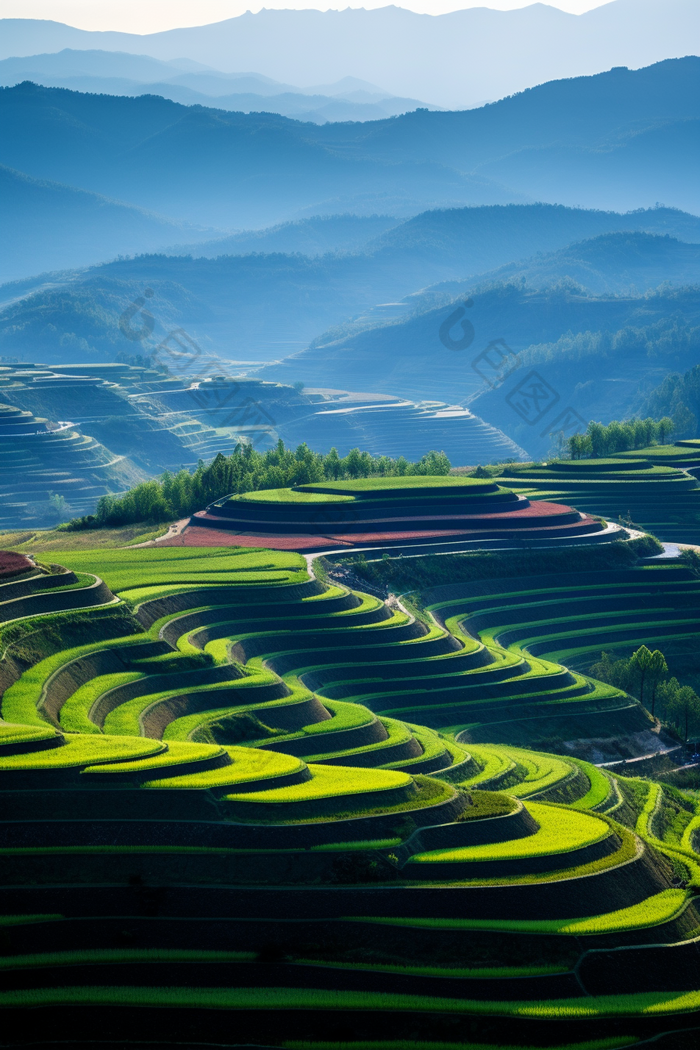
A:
{"x": 645, "y": 674}
{"x": 600, "y": 441}
{"x": 174, "y": 496}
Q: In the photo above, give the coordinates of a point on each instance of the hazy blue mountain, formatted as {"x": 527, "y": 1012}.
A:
{"x": 118, "y": 73}
{"x": 70, "y": 62}
{"x": 316, "y": 236}
{"x": 631, "y": 134}
{"x": 424, "y": 354}
{"x": 473, "y": 240}
{"x": 538, "y": 362}
{"x": 466, "y": 56}
{"x": 259, "y": 307}
{"x": 204, "y": 165}
{"x": 661, "y": 162}
{"x": 613, "y": 263}
{"x": 591, "y": 112}
{"x": 604, "y": 371}
{"x": 48, "y": 226}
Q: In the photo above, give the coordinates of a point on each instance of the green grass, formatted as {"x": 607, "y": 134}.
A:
{"x": 74, "y": 714}
{"x": 429, "y": 793}
{"x": 361, "y": 844}
{"x": 539, "y": 771}
{"x": 654, "y": 911}
{"x": 494, "y": 762}
{"x": 409, "y": 484}
{"x": 21, "y": 920}
{"x": 345, "y": 716}
{"x": 171, "y": 754}
{"x": 398, "y": 733}
{"x": 290, "y": 496}
{"x": 83, "y": 751}
{"x": 153, "y": 566}
{"x": 459, "y": 972}
{"x": 97, "y": 956}
{"x": 488, "y": 804}
{"x": 410, "y": 1044}
{"x": 329, "y": 782}
{"x": 599, "y": 789}
{"x": 33, "y": 542}
{"x": 646, "y": 1004}
{"x": 561, "y": 830}
{"x": 247, "y": 764}
{"x": 12, "y": 733}
{"x": 20, "y": 701}
{"x": 125, "y": 720}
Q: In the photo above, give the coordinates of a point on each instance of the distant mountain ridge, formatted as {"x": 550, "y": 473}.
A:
{"x": 261, "y": 307}
{"x": 49, "y": 226}
{"x": 206, "y": 166}
{"x": 613, "y": 263}
{"x": 505, "y": 51}
{"x": 118, "y": 73}
{"x": 621, "y": 138}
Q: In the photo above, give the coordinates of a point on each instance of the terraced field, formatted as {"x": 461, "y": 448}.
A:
{"x": 656, "y": 487}
{"x": 164, "y": 885}
{"x": 395, "y": 512}
{"x": 39, "y": 460}
{"x": 220, "y": 795}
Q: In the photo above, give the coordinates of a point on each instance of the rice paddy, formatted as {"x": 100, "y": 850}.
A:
{"x": 343, "y": 819}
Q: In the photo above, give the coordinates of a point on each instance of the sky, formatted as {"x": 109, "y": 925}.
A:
{"x": 152, "y": 16}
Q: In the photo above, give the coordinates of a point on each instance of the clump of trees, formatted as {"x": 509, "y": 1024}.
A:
{"x": 600, "y": 441}
{"x": 645, "y": 675}
{"x": 174, "y": 496}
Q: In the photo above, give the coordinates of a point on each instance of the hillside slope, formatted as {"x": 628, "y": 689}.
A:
{"x": 261, "y": 307}
{"x": 632, "y": 133}
{"x": 551, "y": 331}
{"x": 49, "y": 226}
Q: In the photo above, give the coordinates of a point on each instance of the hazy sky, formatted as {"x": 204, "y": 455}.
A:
{"x": 150, "y": 16}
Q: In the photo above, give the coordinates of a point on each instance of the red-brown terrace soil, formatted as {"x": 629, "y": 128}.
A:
{"x": 198, "y": 536}
{"x": 13, "y": 564}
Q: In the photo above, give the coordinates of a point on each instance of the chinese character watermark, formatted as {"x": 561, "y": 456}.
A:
{"x": 532, "y": 398}
{"x": 467, "y": 336}
{"x": 209, "y": 387}
{"x": 495, "y": 363}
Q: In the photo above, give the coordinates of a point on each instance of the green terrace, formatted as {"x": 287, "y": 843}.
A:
{"x": 655, "y": 487}
{"x": 382, "y": 871}
{"x": 219, "y": 790}
{"x": 325, "y": 672}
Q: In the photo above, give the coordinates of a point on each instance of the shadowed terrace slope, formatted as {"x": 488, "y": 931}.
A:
{"x": 196, "y": 839}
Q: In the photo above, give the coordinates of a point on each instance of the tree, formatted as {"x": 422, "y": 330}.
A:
{"x": 598, "y": 438}
{"x": 685, "y": 710}
{"x": 580, "y": 446}
{"x": 691, "y": 559}
{"x": 658, "y": 668}
{"x": 245, "y": 470}
{"x": 664, "y": 429}
{"x": 685, "y": 422}
{"x": 640, "y": 666}
{"x": 57, "y": 506}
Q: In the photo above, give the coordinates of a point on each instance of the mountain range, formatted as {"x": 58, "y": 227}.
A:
{"x": 49, "y": 226}
{"x": 267, "y": 305}
{"x": 119, "y": 73}
{"x": 619, "y": 140}
{"x": 465, "y": 56}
